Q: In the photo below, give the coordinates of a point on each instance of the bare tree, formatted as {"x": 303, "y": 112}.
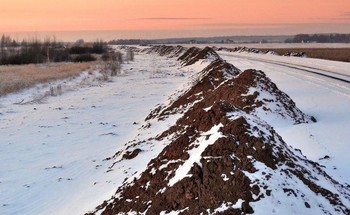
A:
{"x": 47, "y": 46}
{"x": 2, "y": 46}
{"x": 129, "y": 55}
{"x": 112, "y": 63}
{"x": 79, "y": 42}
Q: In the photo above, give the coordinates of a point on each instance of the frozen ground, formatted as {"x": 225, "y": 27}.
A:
{"x": 325, "y": 98}
{"x": 53, "y": 150}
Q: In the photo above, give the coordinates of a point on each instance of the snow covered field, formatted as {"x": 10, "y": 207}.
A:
{"x": 53, "y": 152}
{"x": 327, "y": 99}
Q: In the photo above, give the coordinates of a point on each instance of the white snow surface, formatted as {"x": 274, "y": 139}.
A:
{"x": 206, "y": 139}
{"x": 53, "y": 151}
{"x": 284, "y": 202}
{"x": 227, "y": 205}
{"x": 328, "y": 100}
{"x": 173, "y": 212}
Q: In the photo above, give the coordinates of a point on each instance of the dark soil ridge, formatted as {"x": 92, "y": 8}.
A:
{"x": 224, "y": 174}
{"x": 217, "y": 82}
{"x": 168, "y": 51}
{"x": 258, "y": 51}
{"x": 335, "y": 54}
{"x": 194, "y": 54}
{"x": 206, "y": 81}
{"x": 186, "y": 56}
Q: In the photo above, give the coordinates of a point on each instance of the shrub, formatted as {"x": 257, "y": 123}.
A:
{"x": 129, "y": 55}
{"x": 106, "y": 56}
{"x": 79, "y": 50}
{"x": 99, "y": 47}
{"x": 36, "y": 51}
{"x": 112, "y": 62}
{"x": 84, "y": 58}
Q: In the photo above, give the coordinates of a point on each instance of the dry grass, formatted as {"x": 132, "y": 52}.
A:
{"x": 337, "y": 54}
{"x": 16, "y": 78}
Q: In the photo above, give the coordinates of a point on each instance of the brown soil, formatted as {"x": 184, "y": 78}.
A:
{"x": 169, "y": 51}
{"x": 130, "y": 155}
{"x": 195, "y": 54}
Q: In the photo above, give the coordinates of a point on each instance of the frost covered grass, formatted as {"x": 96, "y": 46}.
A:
{"x": 16, "y": 78}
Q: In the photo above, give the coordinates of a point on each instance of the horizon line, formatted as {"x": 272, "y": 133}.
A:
{"x": 63, "y": 35}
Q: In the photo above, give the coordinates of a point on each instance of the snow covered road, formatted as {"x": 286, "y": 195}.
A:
{"x": 323, "y": 96}
{"x": 344, "y": 77}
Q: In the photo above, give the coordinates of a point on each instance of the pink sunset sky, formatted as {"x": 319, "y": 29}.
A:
{"x": 173, "y": 18}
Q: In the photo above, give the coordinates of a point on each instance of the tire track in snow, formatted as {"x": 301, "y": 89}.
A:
{"x": 302, "y": 68}
{"x": 335, "y": 86}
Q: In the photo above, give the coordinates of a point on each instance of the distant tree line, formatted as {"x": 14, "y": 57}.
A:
{"x": 49, "y": 50}
{"x": 80, "y": 47}
{"x": 33, "y": 51}
{"x": 306, "y": 38}
{"x": 130, "y": 42}
{"x": 319, "y": 38}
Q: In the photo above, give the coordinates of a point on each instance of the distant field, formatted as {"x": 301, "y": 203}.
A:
{"x": 337, "y": 54}
{"x": 15, "y": 78}
{"x": 327, "y": 51}
{"x": 274, "y": 45}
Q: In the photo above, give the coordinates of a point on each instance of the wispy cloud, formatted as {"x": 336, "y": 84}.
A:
{"x": 258, "y": 25}
{"x": 171, "y": 18}
{"x": 343, "y": 16}
{"x": 346, "y": 14}
{"x": 240, "y": 25}
{"x": 342, "y": 19}
{"x": 235, "y": 24}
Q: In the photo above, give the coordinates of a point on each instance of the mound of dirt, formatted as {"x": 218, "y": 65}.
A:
{"x": 210, "y": 78}
{"x": 247, "y": 50}
{"x": 258, "y": 51}
{"x": 185, "y": 56}
{"x": 251, "y": 91}
{"x": 194, "y": 54}
{"x": 241, "y": 49}
{"x": 169, "y": 51}
{"x": 295, "y": 54}
{"x": 223, "y": 158}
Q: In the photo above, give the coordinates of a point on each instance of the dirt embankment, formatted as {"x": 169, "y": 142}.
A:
{"x": 163, "y": 50}
{"x": 222, "y": 157}
{"x": 186, "y": 56}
